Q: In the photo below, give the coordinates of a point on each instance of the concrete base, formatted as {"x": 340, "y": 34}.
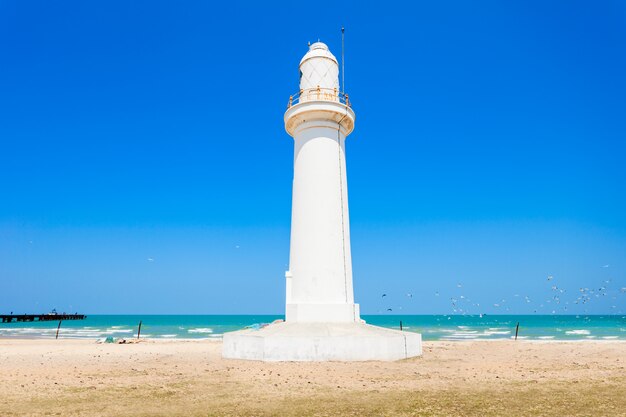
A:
{"x": 308, "y": 342}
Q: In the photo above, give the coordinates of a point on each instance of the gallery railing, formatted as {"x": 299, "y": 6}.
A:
{"x": 319, "y": 94}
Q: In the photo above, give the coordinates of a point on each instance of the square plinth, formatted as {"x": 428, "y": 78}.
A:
{"x": 309, "y": 342}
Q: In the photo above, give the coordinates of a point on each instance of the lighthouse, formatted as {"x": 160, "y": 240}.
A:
{"x": 319, "y": 118}
{"x": 322, "y": 321}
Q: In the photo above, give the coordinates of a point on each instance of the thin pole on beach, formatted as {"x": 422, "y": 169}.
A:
{"x": 139, "y": 329}
{"x": 516, "y": 330}
{"x": 58, "y": 327}
{"x": 400, "y": 325}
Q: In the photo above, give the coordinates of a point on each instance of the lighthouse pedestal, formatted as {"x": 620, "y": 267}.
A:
{"x": 321, "y": 342}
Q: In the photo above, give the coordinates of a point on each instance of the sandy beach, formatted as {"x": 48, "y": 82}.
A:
{"x": 81, "y": 377}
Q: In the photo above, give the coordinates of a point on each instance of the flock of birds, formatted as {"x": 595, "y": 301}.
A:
{"x": 558, "y": 300}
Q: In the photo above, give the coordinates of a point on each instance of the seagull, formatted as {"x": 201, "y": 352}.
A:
{"x": 409, "y": 295}
{"x": 458, "y": 285}
{"x": 550, "y": 277}
{"x": 150, "y": 259}
{"x": 389, "y": 309}
{"x": 384, "y": 295}
{"x": 623, "y": 289}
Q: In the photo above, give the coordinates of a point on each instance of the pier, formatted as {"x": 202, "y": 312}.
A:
{"x": 9, "y": 318}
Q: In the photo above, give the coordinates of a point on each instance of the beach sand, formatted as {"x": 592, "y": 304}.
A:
{"x": 189, "y": 378}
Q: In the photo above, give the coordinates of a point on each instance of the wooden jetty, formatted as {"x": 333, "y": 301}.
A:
{"x": 8, "y": 318}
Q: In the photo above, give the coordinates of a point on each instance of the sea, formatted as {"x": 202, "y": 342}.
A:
{"x": 432, "y": 327}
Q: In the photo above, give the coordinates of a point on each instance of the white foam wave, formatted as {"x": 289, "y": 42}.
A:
{"x": 200, "y": 330}
{"x": 119, "y": 330}
{"x": 578, "y": 332}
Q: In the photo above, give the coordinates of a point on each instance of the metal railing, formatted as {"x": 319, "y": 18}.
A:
{"x": 319, "y": 94}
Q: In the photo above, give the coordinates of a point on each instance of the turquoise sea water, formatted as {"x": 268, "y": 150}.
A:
{"x": 435, "y": 327}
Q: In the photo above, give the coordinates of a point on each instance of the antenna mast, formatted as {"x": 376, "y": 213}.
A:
{"x": 343, "y": 68}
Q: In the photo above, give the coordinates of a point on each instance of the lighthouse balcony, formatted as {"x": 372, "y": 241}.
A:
{"x": 319, "y": 94}
{"x": 320, "y": 106}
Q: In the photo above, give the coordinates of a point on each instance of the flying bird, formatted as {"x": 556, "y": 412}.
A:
{"x": 150, "y": 259}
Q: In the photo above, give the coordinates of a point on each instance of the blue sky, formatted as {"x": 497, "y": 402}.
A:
{"x": 144, "y": 166}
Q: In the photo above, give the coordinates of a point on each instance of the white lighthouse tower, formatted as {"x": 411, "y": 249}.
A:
{"x": 319, "y": 117}
{"x": 322, "y": 322}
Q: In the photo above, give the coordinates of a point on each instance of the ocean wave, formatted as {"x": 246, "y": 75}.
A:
{"x": 492, "y": 332}
{"x": 120, "y": 330}
{"x": 200, "y": 330}
{"x": 453, "y": 337}
{"x": 578, "y": 332}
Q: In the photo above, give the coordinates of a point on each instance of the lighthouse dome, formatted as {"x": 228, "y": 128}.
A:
{"x": 319, "y": 69}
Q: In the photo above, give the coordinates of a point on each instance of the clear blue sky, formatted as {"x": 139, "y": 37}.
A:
{"x": 144, "y": 166}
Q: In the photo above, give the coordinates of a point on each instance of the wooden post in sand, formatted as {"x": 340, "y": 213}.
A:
{"x": 58, "y": 327}
{"x": 516, "y": 330}
{"x": 139, "y": 330}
